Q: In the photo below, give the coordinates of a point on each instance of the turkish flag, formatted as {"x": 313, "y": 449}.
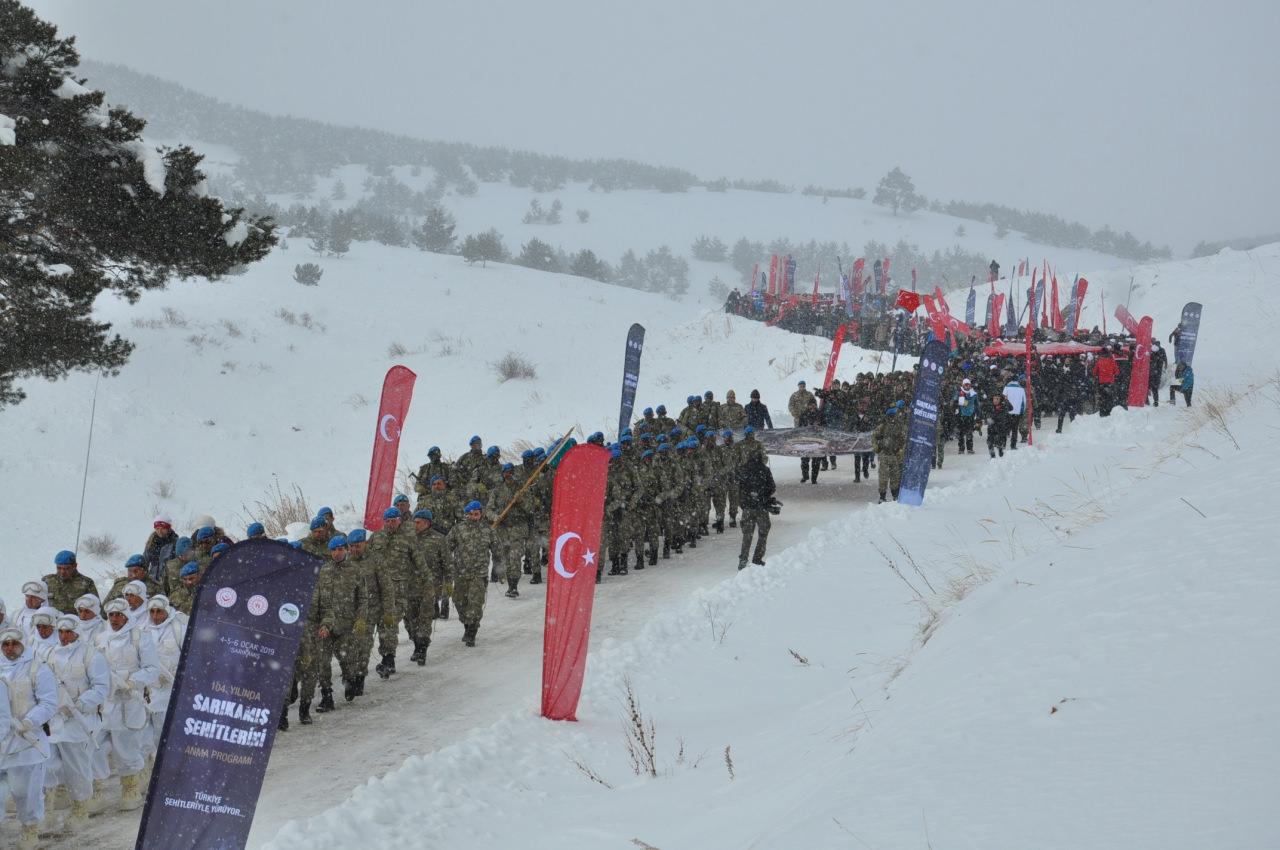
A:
{"x": 908, "y": 301}
{"x": 577, "y": 512}
{"x": 1140, "y": 368}
{"x": 835, "y": 356}
{"x": 1126, "y": 319}
{"x": 397, "y": 391}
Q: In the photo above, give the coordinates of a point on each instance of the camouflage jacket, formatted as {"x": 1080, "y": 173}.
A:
{"x": 64, "y": 593}
{"x": 340, "y": 598}
{"x": 470, "y": 544}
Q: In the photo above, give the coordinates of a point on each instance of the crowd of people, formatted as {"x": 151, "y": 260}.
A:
{"x": 85, "y": 678}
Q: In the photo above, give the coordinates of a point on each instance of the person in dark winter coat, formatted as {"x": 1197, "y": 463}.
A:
{"x": 998, "y": 424}
{"x": 757, "y": 413}
{"x": 1184, "y": 382}
{"x": 755, "y": 495}
{"x": 1155, "y": 371}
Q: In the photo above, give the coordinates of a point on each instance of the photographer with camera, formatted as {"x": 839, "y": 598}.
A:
{"x": 755, "y": 495}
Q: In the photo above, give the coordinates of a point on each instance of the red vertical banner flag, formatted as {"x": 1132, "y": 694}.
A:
{"x": 1056, "y": 315}
{"x": 1127, "y": 321}
{"x": 397, "y": 392}
{"x": 859, "y": 267}
{"x": 942, "y": 301}
{"x": 1140, "y": 368}
{"x": 835, "y": 356}
{"x": 577, "y": 512}
{"x": 816, "y": 278}
{"x": 1027, "y": 414}
{"x": 773, "y": 274}
{"x": 884, "y": 276}
{"x": 997, "y": 313}
{"x": 755, "y": 278}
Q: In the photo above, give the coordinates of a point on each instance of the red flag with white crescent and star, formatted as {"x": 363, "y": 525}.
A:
{"x": 397, "y": 391}
{"x": 573, "y": 553}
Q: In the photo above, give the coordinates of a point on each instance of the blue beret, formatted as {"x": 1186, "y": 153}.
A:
{"x": 626, "y": 438}
{"x": 508, "y": 467}
{"x": 474, "y": 439}
{"x": 357, "y": 535}
{"x": 325, "y": 510}
{"x": 423, "y": 513}
{"x": 183, "y": 545}
{"x": 65, "y": 557}
{"x": 317, "y": 522}
{"x": 473, "y": 505}
{"x": 339, "y": 541}
{"x": 134, "y": 561}
{"x": 254, "y": 529}
{"x": 750, "y": 429}
{"x": 400, "y": 497}
{"x": 492, "y": 451}
{"x": 726, "y": 433}
{"x": 205, "y": 532}
{"x": 188, "y": 569}
{"x": 391, "y": 513}
{"x": 434, "y": 450}
{"x": 221, "y": 547}
{"x": 526, "y": 454}
{"x": 646, "y": 453}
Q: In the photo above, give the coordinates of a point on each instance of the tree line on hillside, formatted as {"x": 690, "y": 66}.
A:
{"x": 314, "y": 148}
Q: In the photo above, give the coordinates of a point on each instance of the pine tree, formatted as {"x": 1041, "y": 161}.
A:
{"x": 341, "y": 232}
{"x": 587, "y": 264}
{"x": 897, "y": 191}
{"x": 536, "y": 254}
{"x": 87, "y": 207}
{"x": 553, "y": 214}
{"x": 308, "y": 274}
{"x": 631, "y": 272}
{"x": 535, "y": 214}
{"x": 483, "y": 247}
{"x": 436, "y": 233}
{"x": 709, "y": 249}
{"x": 339, "y": 192}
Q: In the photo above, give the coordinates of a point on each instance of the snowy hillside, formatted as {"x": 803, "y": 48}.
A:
{"x": 241, "y": 385}
{"x": 1068, "y": 648}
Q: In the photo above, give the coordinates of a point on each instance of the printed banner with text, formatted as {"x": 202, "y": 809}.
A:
{"x": 231, "y": 683}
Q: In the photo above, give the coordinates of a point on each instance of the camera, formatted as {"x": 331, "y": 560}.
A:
{"x": 774, "y": 507}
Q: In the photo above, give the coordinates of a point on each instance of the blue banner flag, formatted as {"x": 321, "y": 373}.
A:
{"x": 1185, "y": 350}
{"x": 970, "y": 307}
{"x": 630, "y": 375}
{"x": 926, "y": 418}
{"x": 232, "y": 682}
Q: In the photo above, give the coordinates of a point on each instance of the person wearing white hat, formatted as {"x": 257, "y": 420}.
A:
{"x": 35, "y": 595}
{"x": 92, "y": 627}
{"x": 135, "y": 594}
{"x": 89, "y": 612}
{"x": 131, "y": 655}
{"x": 83, "y": 679}
{"x": 169, "y": 629}
{"x": 30, "y": 701}
{"x": 45, "y": 638}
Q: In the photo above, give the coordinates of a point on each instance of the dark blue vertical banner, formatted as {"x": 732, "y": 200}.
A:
{"x": 922, "y": 431}
{"x": 630, "y": 375}
{"x": 970, "y": 307}
{"x": 1186, "y": 347}
{"x": 232, "y": 680}
{"x": 991, "y": 300}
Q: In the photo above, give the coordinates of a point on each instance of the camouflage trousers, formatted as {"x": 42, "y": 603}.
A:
{"x": 469, "y": 590}
{"x": 419, "y": 606}
{"x": 346, "y": 648}
{"x": 732, "y": 492}
{"x": 304, "y": 666}
{"x": 388, "y": 637}
{"x": 889, "y": 473}
{"x": 716, "y": 496}
{"x": 514, "y": 543}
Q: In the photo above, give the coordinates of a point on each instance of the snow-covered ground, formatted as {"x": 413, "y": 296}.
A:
{"x": 927, "y": 719}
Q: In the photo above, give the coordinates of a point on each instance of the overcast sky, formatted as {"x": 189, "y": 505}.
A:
{"x": 1157, "y": 117}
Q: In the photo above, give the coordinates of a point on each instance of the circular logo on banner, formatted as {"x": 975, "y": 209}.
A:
{"x": 257, "y": 605}
{"x": 226, "y": 597}
{"x": 288, "y": 612}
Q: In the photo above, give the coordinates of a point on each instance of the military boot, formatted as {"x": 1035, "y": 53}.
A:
{"x": 512, "y": 583}
{"x": 666, "y": 549}
{"x": 613, "y": 567}
{"x": 469, "y": 634}
{"x": 444, "y": 608}
{"x": 348, "y": 689}
{"x": 283, "y": 724}
{"x": 388, "y": 665}
{"x": 419, "y": 656}
{"x": 719, "y": 526}
{"x": 304, "y": 713}
{"x": 536, "y": 578}
{"x": 653, "y": 556}
{"x": 693, "y": 541}
{"x": 622, "y": 564}
{"x": 326, "y": 701}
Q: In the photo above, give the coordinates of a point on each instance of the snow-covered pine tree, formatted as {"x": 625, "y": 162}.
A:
{"x": 436, "y": 233}
{"x": 86, "y": 207}
{"x": 898, "y": 192}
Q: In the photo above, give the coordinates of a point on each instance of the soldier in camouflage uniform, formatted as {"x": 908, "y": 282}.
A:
{"x": 466, "y": 466}
{"x": 511, "y": 535}
{"x": 380, "y": 601}
{"x": 389, "y": 549}
{"x": 305, "y": 668}
{"x": 540, "y": 492}
{"x": 433, "y": 467}
{"x": 317, "y": 540}
{"x": 711, "y": 408}
{"x": 446, "y": 512}
{"x": 67, "y": 583}
{"x": 646, "y": 513}
{"x": 326, "y": 513}
{"x": 184, "y": 553}
{"x": 402, "y": 504}
{"x": 717, "y": 469}
{"x": 618, "y": 488}
{"x": 183, "y": 594}
{"x": 471, "y": 547}
{"x": 729, "y": 463}
{"x": 341, "y": 626}
{"x": 732, "y": 415}
{"x": 646, "y": 422}
{"x": 135, "y": 569}
{"x": 662, "y": 423}
{"x": 429, "y": 560}
{"x": 890, "y": 441}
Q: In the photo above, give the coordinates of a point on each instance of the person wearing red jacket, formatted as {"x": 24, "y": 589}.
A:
{"x": 1106, "y": 372}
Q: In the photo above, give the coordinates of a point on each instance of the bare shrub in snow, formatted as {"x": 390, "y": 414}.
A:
{"x": 101, "y": 546}
{"x": 148, "y": 324}
{"x": 641, "y": 734}
{"x": 173, "y": 318}
{"x": 232, "y": 329}
{"x": 279, "y": 508}
{"x": 728, "y": 763}
{"x": 308, "y": 274}
{"x": 162, "y": 490}
{"x": 514, "y": 366}
{"x": 395, "y": 350}
{"x": 355, "y": 401}
{"x": 584, "y": 216}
